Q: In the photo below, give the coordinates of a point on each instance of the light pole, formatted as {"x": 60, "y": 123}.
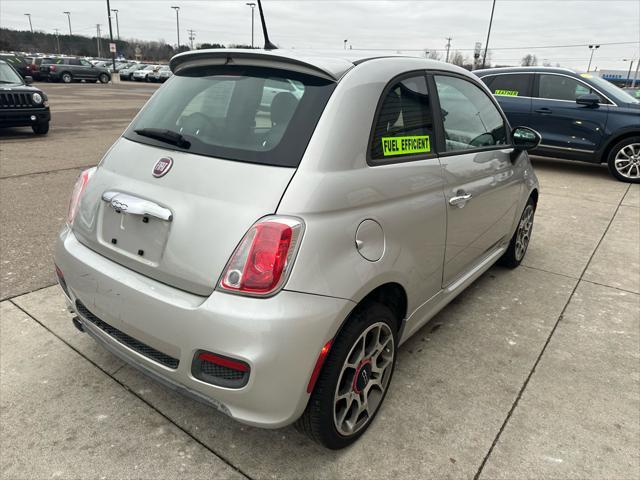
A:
{"x": 253, "y": 10}
{"x": 593, "y": 48}
{"x": 58, "y": 39}
{"x": 115, "y": 10}
{"x": 113, "y": 53}
{"x": 30, "y": 25}
{"x": 345, "y": 43}
{"x": 177, "y": 9}
{"x": 626, "y": 80}
{"x": 68, "y": 14}
{"x": 486, "y": 45}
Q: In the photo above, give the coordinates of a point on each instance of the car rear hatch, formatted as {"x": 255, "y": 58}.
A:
{"x": 199, "y": 165}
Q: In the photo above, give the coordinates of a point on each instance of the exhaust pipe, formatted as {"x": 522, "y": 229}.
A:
{"x": 78, "y": 324}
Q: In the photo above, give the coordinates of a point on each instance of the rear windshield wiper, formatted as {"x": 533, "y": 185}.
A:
{"x": 164, "y": 135}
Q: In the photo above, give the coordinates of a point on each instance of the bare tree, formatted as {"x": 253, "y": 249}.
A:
{"x": 433, "y": 55}
{"x": 529, "y": 60}
{"x": 457, "y": 58}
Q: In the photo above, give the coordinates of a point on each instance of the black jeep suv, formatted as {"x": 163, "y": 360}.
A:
{"x": 22, "y": 105}
{"x": 69, "y": 69}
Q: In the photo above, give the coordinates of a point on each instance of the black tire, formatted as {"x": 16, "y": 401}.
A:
{"x": 66, "y": 77}
{"x": 317, "y": 421}
{"x": 514, "y": 255}
{"x": 40, "y": 128}
{"x": 631, "y": 144}
{"x": 104, "y": 78}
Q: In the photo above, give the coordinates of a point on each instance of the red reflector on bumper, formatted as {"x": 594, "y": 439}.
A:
{"x": 224, "y": 362}
{"x": 316, "y": 370}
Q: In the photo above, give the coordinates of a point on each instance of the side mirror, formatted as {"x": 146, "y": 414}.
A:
{"x": 525, "y": 138}
{"x": 589, "y": 100}
{"x": 28, "y": 80}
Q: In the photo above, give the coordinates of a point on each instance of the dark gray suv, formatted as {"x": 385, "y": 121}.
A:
{"x": 69, "y": 69}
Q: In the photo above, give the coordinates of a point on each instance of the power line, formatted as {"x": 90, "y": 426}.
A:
{"x": 499, "y": 48}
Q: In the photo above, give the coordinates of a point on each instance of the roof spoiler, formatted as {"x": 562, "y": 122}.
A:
{"x": 202, "y": 58}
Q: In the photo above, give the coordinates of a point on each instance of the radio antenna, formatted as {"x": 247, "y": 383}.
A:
{"x": 267, "y": 43}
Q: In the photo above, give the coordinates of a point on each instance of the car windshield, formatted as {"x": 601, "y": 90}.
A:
{"x": 8, "y": 74}
{"x": 246, "y": 114}
{"x": 609, "y": 89}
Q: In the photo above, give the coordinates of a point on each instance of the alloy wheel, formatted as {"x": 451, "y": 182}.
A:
{"x": 627, "y": 161}
{"x": 524, "y": 232}
{"x": 363, "y": 379}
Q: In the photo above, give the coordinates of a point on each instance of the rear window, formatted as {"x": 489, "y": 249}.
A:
{"x": 246, "y": 114}
{"x": 510, "y": 85}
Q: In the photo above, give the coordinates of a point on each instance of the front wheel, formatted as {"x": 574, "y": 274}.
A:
{"x": 104, "y": 78}
{"x": 354, "y": 379}
{"x": 40, "y": 128}
{"x": 520, "y": 240}
{"x": 624, "y": 160}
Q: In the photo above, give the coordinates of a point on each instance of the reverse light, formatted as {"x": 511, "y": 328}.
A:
{"x": 262, "y": 262}
{"x": 76, "y": 195}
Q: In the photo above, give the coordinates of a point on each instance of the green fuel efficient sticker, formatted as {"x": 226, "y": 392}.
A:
{"x": 405, "y": 145}
{"x": 509, "y": 93}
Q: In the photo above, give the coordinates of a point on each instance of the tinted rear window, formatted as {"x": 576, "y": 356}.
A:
{"x": 512, "y": 85}
{"x": 247, "y": 114}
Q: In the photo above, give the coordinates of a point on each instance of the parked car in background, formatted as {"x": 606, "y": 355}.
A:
{"x": 579, "y": 116}
{"x": 17, "y": 62}
{"x": 71, "y": 69}
{"x": 160, "y": 74}
{"x": 33, "y": 65}
{"x": 342, "y": 221}
{"x": 22, "y": 105}
{"x": 126, "y": 73}
{"x": 142, "y": 75}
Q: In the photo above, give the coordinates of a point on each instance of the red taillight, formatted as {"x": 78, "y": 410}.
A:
{"x": 52, "y": 68}
{"x": 262, "y": 261}
{"x": 78, "y": 190}
{"x": 316, "y": 370}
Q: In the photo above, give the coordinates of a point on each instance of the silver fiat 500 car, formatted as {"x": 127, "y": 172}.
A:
{"x": 273, "y": 225}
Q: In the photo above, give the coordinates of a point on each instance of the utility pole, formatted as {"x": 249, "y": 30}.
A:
{"x": 177, "y": 9}
{"x": 448, "y": 47}
{"x": 30, "y": 25}
{"x": 626, "y": 81}
{"x": 98, "y": 37}
{"x": 345, "y": 44}
{"x": 58, "y": 39}
{"x": 593, "y": 48}
{"x": 68, "y": 14}
{"x": 486, "y": 44}
{"x": 115, "y": 10}
{"x": 113, "y": 54}
{"x": 192, "y": 36}
{"x": 253, "y": 10}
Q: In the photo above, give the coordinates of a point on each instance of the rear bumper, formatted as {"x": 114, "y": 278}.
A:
{"x": 279, "y": 337}
{"x": 22, "y": 117}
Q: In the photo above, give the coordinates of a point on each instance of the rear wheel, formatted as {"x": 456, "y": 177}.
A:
{"x": 354, "y": 379}
{"x": 624, "y": 160}
{"x": 66, "y": 77}
{"x": 40, "y": 128}
{"x": 520, "y": 240}
{"x": 104, "y": 78}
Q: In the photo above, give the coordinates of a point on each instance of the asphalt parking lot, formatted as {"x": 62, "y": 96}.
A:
{"x": 530, "y": 373}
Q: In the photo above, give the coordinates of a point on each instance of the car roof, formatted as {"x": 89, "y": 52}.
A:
{"x": 494, "y": 71}
{"x": 331, "y": 65}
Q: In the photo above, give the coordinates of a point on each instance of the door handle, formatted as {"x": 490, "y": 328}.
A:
{"x": 544, "y": 111}
{"x": 123, "y": 203}
{"x": 460, "y": 200}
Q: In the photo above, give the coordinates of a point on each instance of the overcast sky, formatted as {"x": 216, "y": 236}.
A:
{"x": 395, "y": 25}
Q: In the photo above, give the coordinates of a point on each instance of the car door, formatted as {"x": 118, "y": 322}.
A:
{"x": 565, "y": 125}
{"x": 89, "y": 72}
{"x": 481, "y": 190}
{"x": 513, "y": 92}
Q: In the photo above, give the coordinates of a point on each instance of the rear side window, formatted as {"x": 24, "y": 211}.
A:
{"x": 404, "y": 126}
{"x": 469, "y": 117}
{"x": 247, "y": 114}
{"x": 74, "y": 61}
{"x": 512, "y": 85}
{"x": 559, "y": 87}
